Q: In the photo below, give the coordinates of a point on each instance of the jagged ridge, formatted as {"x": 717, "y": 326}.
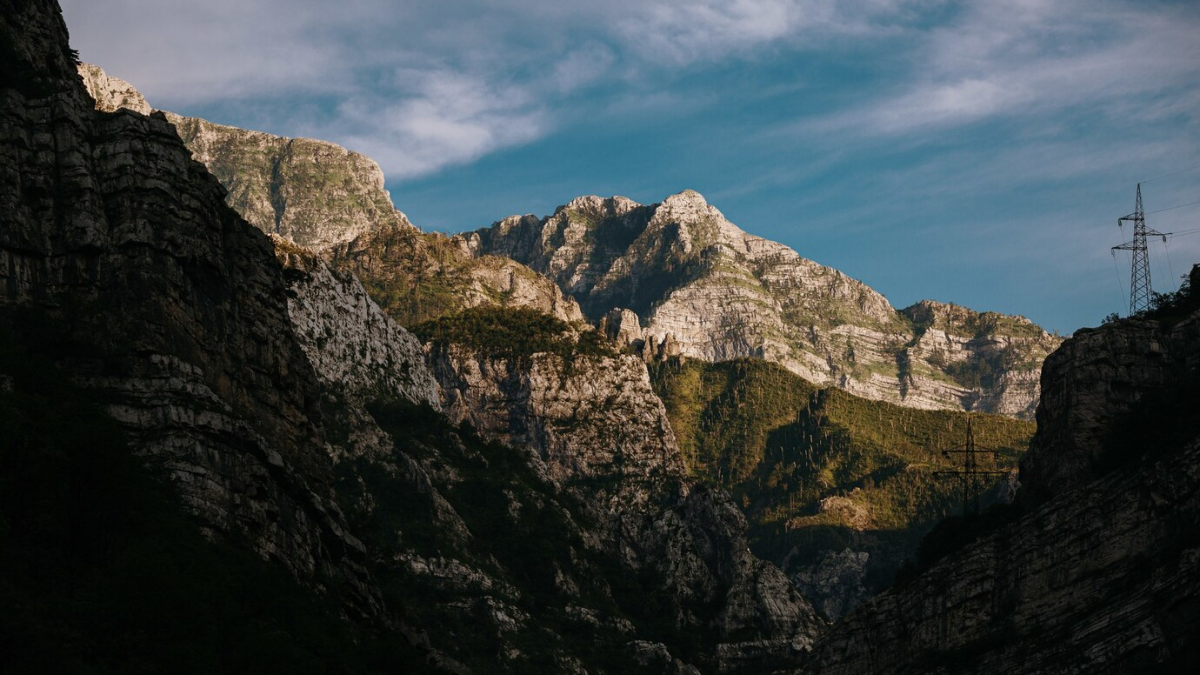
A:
{"x": 332, "y": 201}
{"x": 721, "y": 293}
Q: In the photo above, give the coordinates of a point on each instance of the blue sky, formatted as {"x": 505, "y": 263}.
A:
{"x": 975, "y": 152}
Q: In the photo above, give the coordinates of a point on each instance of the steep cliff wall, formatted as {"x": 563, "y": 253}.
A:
{"x": 164, "y": 302}
{"x": 353, "y": 346}
{"x": 1091, "y": 385}
{"x": 718, "y": 293}
{"x": 1098, "y": 567}
{"x": 314, "y": 193}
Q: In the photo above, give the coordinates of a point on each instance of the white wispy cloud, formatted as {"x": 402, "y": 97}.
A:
{"x": 445, "y": 118}
{"x": 424, "y": 84}
{"x": 1035, "y": 57}
{"x": 477, "y": 77}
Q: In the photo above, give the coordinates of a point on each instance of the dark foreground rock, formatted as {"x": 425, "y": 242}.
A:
{"x": 1096, "y": 569}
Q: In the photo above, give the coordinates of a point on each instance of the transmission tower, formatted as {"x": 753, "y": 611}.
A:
{"x": 1140, "y": 291}
{"x": 970, "y": 473}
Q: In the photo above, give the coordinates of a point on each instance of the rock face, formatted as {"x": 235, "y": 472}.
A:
{"x": 167, "y": 304}
{"x": 332, "y": 201}
{"x": 590, "y": 418}
{"x": 837, "y": 582}
{"x": 719, "y": 293}
{"x": 1095, "y": 378}
{"x": 1100, "y": 569}
{"x": 604, "y": 435}
{"x": 349, "y": 341}
{"x": 111, "y": 93}
{"x": 314, "y": 193}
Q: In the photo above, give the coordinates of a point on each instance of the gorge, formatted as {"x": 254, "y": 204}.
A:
{"x": 262, "y": 421}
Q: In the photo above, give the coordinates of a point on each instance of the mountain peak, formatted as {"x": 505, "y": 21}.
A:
{"x": 687, "y": 202}
{"x": 111, "y": 93}
{"x": 316, "y": 193}
{"x": 686, "y": 197}
{"x": 719, "y": 293}
{"x": 603, "y": 207}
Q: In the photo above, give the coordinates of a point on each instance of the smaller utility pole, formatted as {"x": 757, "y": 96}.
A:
{"x": 970, "y": 473}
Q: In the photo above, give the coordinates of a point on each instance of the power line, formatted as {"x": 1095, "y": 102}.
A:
{"x": 1120, "y": 286}
{"x": 1173, "y": 208}
{"x": 1167, "y": 250}
{"x": 1174, "y": 173}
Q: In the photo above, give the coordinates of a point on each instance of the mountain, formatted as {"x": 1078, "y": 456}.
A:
{"x": 332, "y": 201}
{"x": 790, "y": 457}
{"x": 241, "y": 461}
{"x": 698, "y": 285}
{"x": 1094, "y": 568}
{"x": 718, "y": 293}
{"x": 222, "y": 455}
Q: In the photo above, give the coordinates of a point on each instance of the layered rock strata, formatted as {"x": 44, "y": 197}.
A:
{"x": 167, "y": 304}
{"x": 1098, "y": 376}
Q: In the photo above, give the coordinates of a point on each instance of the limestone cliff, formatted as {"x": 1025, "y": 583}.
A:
{"x": 719, "y": 293}
{"x": 350, "y": 342}
{"x": 332, "y": 201}
{"x": 163, "y": 302}
{"x": 111, "y": 93}
{"x": 1097, "y": 566}
{"x": 1098, "y": 376}
{"x": 314, "y": 193}
{"x": 604, "y": 435}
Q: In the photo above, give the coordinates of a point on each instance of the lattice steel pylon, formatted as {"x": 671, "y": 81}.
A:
{"x": 1140, "y": 291}
{"x": 970, "y": 473}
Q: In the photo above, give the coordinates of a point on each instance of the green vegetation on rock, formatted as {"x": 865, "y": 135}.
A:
{"x": 512, "y": 331}
{"x": 820, "y": 470}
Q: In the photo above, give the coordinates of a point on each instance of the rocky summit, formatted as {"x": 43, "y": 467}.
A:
{"x": 693, "y": 283}
{"x": 697, "y": 281}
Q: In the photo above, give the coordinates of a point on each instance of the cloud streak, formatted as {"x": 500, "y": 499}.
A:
{"x": 1036, "y": 57}
{"x": 473, "y": 78}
